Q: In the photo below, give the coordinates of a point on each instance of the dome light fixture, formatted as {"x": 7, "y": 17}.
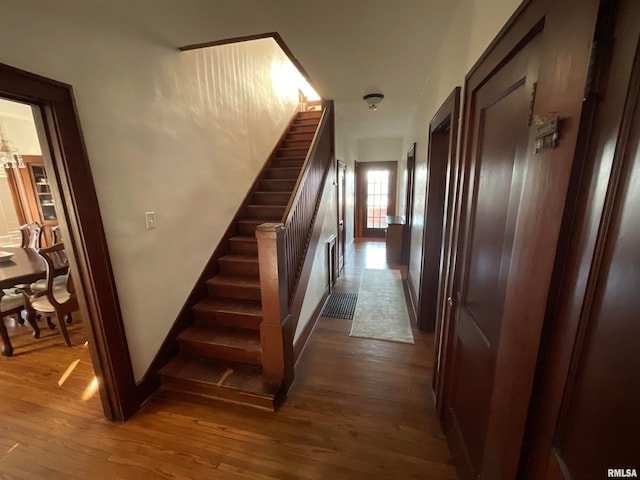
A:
{"x": 373, "y": 100}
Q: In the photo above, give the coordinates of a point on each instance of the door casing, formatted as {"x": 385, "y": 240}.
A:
{"x": 72, "y": 186}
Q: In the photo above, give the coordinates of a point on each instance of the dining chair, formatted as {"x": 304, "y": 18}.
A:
{"x": 56, "y": 234}
{"x": 31, "y": 235}
{"x": 14, "y": 303}
{"x": 55, "y": 300}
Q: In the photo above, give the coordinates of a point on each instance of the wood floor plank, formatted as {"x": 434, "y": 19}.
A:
{"x": 359, "y": 409}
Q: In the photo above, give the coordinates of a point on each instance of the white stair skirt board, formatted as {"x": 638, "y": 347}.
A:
{"x": 381, "y": 311}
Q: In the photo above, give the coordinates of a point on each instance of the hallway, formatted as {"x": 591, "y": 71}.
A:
{"x": 359, "y": 408}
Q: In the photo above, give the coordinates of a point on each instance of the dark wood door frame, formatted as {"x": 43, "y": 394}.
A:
{"x": 408, "y": 204}
{"x": 75, "y": 196}
{"x": 437, "y": 259}
{"x": 341, "y": 180}
{"x": 441, "y": 159}
{"x": 360, "y": 216}
{"x": 607, "y": 142}
{"x": 567, "y": 29}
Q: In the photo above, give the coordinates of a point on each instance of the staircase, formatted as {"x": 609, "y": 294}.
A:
{"x": 220, "y": 354}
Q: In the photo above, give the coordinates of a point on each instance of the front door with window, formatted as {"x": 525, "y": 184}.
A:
{"x": 376, "y": 197}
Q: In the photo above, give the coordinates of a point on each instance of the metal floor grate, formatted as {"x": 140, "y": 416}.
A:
{"x": 340, "y": 305}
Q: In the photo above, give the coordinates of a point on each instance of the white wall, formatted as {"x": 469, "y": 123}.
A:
{"x": 475, "y": 24}
{"x": 319, "y": 278}
{"x": 19, "y": 126}
{"x": 181, "y": 134}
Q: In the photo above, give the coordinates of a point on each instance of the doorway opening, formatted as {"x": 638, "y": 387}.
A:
{"x": 375, "y": 197}
{"x": 71, "y": 193}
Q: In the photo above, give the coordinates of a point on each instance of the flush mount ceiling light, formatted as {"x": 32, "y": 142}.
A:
{"x": 373, "y": 99}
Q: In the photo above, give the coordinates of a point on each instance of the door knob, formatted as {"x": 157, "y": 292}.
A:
{"x": 450, "y": 301}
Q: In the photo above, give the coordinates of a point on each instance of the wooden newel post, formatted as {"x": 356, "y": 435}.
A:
{"x": 276, "y": 335}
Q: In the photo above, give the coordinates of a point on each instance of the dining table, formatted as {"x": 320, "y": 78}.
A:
{"x": 24, "y": 267}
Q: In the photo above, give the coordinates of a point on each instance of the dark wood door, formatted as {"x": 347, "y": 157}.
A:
{"x": 512, "y": 206}
{"x": 585, "y": 418}
{"x": 605, "y": 385}
{"x": 443, "y": 128}
{"x": 408, "y": 205}
{"x": 500, "y": 136}
{"x": 342, "y": 185}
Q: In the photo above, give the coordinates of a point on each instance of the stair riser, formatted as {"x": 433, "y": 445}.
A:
{"x": 288, "y": 162}
{"x": 273, "y": 213}
{"x": 243, "y": 269}
{"x": 293, "y": 152}
{"x": 271, "y": 198}
{"x": 303, "y": 129}
{"x": 310, "y": 114}
{"x": 218, "y": 393}
{"x": 296, "y": 143}
{"x": 288, "y": 173}
{"x": 248, "y": 229}
{"x": 222, "y": 352}
{"x": 244, "y": 248}
{"x": 300, "y": 136}
{"x": 228, "y": 319}
{"x": 233, "y": 291}
{"x": 307, "y": 122}
{"x": 277, "y": 185}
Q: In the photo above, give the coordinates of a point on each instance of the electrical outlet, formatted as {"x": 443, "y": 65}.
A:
{"x": 150, "y": 220}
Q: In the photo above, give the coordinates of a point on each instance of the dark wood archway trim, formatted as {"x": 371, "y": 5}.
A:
{"x": 74, "y": 193}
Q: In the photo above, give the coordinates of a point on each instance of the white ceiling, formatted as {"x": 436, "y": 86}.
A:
{"x": 348, "y": 47}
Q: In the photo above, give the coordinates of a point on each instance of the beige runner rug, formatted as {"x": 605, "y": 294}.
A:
{"x": 381, "y": 311}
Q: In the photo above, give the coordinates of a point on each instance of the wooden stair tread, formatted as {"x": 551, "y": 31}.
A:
{"x": 223, "y": 336}
{"x": 233, "y": 280}
{"x": 243, "y": 238}
{"x": 226, "y": 381}
{"x": 228, "y": 305}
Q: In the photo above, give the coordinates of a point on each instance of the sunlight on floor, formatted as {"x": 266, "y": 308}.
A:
{"x": 68, "y": 372}
{"x": 376, "y": 255}
{"x": 91, "y": 389}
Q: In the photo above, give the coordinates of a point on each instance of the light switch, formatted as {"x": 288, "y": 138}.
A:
{"x": 150, "y": 220}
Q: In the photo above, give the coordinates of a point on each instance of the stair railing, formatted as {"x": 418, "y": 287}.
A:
{"x": 282, "y": 249}
{"x": 301, "y": 210}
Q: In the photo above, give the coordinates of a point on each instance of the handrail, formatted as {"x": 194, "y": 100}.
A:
{"x": 303, "y": 206}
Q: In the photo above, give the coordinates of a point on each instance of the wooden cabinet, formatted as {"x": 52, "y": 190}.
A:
{"x": 394, "y": 239}
{"x": 36, "y": 200}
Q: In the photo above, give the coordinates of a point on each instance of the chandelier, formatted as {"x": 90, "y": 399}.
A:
{"x": 9, "y": 154}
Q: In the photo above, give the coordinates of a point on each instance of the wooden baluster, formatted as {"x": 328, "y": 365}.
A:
{"x": 276, "y": 332}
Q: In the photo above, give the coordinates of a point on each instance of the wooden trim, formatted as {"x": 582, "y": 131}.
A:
{"x": 150, "y": 382}
{"x": 602, "y": 149}
{"x": 413, "y": 301}
{"x": 275, "y": 35}
{"x": 315, "y": 145}
{"x": 73, "y": 189}
{"x": 298, "y": 346}
{"x": 409, "y": 200}
{"x": 314, "y": 241}
{"x": 448, "y": 115}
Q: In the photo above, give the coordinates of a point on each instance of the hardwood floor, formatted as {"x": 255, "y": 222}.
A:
{"x": 359, "y": 409}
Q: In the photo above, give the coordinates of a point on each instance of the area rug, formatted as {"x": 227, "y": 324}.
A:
{"x": 340, "y": 305}
{"x": 381, "y": 311}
